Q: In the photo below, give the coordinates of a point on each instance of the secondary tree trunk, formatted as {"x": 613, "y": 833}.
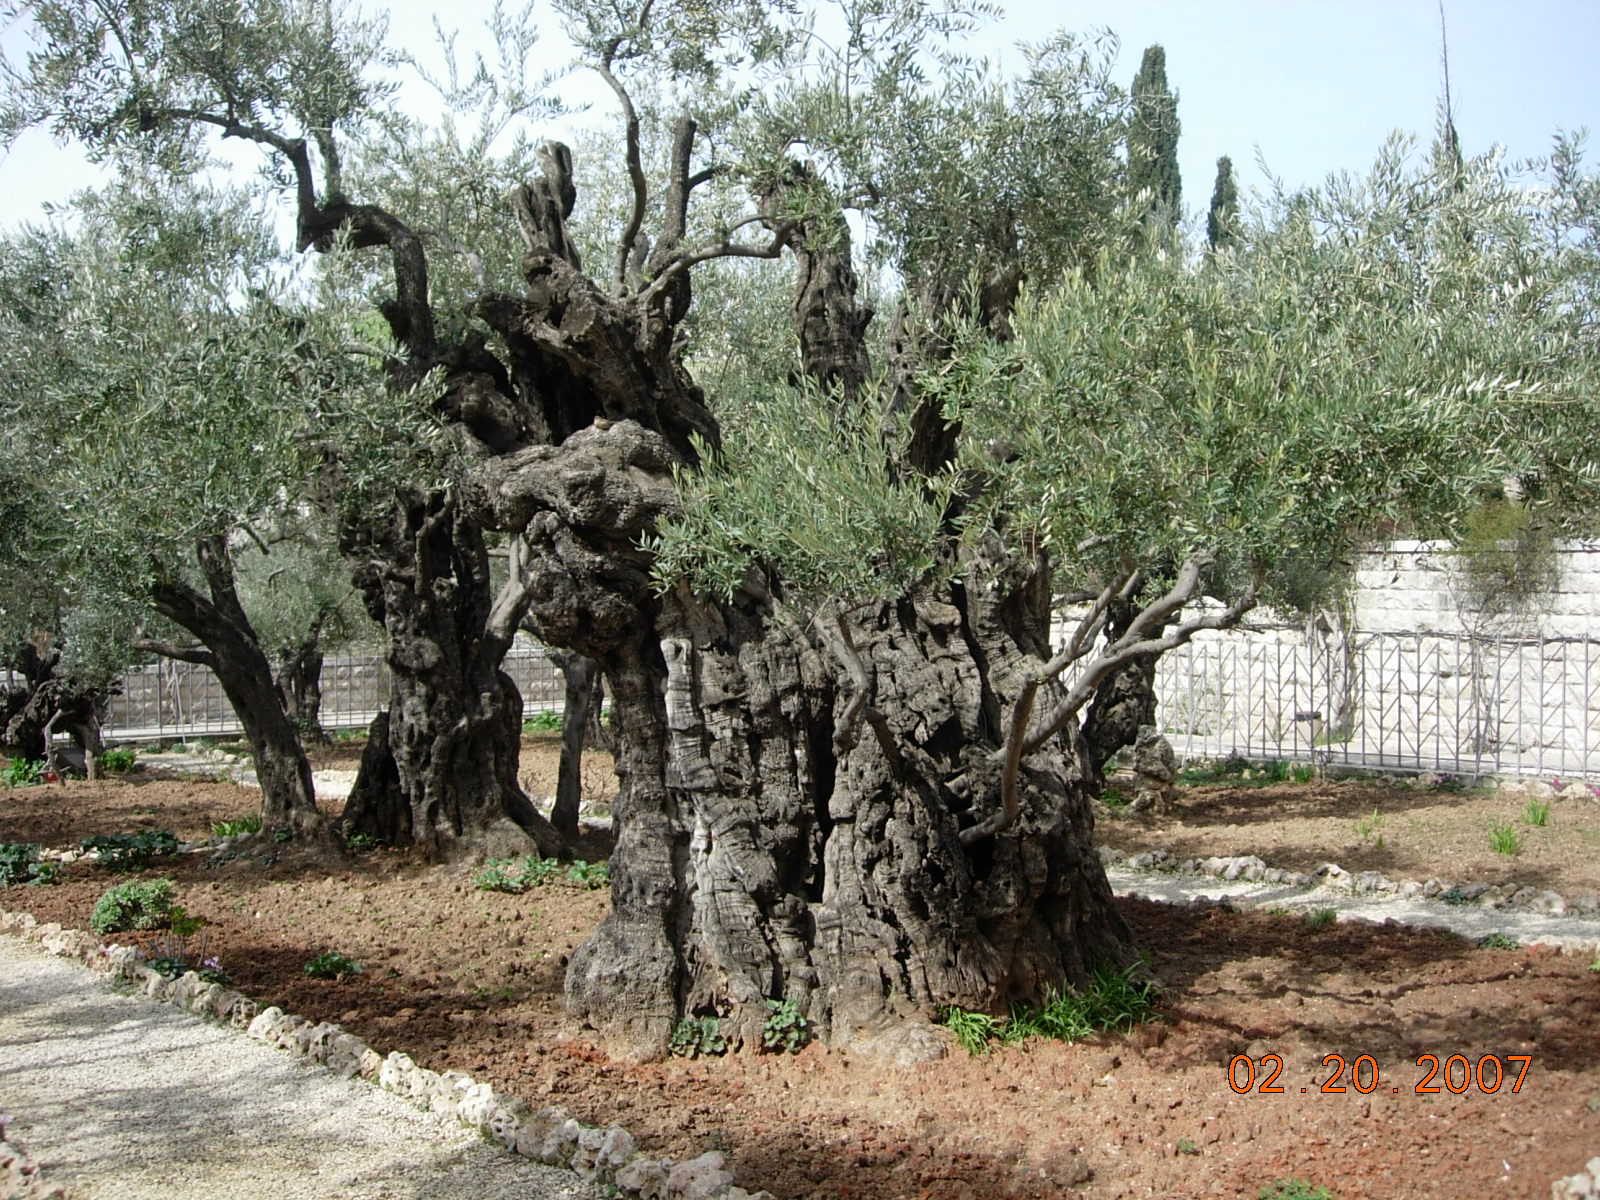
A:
{"x": 580, "y": 709}
{"x": 299, "y": 678}
{"x": 767, "y": 850}
{"x": 455, "y": 718}
{"x": 242, "y": 668}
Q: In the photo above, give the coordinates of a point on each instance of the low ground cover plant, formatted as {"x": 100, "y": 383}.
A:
{"x": 517, "y": 875}
{"x": 1504, "y": 838}
{"x": 135, "y": 905}
{"x": 330, "y": 965}
{"x": 22, "y": 772}
{"x": 119, "y": 760}
{"x": 127, "y": 851}
{"x": 694, "y": 1037}
{"x": 20, "y": 863}
{"x": 1112, "y": 1000}
{"x": 249, "y": 823}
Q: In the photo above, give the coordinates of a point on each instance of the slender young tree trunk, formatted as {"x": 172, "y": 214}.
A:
{"x": 580, "y": 712}
{"x": 241, "y": 666}
{"x": 299, "y": 679}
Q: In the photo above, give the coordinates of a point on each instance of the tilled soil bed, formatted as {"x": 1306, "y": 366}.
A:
{"x": 471, "y": 980}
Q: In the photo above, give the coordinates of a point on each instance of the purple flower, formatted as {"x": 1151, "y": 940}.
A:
{"x": 212, "y": 963}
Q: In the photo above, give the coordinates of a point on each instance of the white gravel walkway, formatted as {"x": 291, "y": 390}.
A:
{"x": 117, "y": 1098}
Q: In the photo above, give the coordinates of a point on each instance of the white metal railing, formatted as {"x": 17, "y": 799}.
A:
{"x": 1448, "y": 703}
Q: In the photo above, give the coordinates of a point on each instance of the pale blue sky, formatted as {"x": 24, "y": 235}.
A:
{"x": 1315, "y": 85}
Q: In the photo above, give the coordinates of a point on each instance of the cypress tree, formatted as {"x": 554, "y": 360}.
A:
{"x": 1222, "y": 221}
{"x": 1153, "y": 137}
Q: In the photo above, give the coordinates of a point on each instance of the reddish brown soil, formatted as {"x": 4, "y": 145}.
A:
{"x": 472, "y": 980}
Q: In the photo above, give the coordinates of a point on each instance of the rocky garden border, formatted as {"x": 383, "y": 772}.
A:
{"x": 549, "y": 1135}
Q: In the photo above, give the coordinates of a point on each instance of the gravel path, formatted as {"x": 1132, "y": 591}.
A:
{"x": 118, "y": 1098}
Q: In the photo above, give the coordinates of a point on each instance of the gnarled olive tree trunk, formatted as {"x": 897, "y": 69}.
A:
{"x": 775, "y": 846}
{"x": 443, "y": 766}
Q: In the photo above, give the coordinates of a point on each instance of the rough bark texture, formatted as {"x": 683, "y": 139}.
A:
{"x": 373, "y": 807}
{"x": 454, "y": 717}
{"x": 767, "y": 852}
{"x": 241, "y": 666}
{"x": 299, "y": 678}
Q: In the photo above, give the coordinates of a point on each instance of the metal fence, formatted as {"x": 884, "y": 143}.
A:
{"x": 1404, "y": 702}
{"x": 1453, "y": 704}
{"x": 170, "y": 699}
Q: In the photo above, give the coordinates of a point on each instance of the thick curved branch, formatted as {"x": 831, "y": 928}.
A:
{"x": 198, "y": 655}
{"x": 410, "y": 316}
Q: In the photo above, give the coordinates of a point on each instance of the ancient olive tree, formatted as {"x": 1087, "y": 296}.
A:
{"x": 855, "y": 765}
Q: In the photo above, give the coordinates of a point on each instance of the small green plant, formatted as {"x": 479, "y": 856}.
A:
{"x": 136, "y": 904}
{"x": 1455, "y": 897}
{"x": 1320, "y": 917}
{"x": 973, "y": 1030}
{"x": 1497, "y": 941}
{"x": 1185, "y": 1146}
{"x": 1537, "y": 813}
{"x": 249, "y": 823}
{"x": 1450, "y": 783}
{"x": 127, "y": 851}
{"x": 1294, "y": 1189}
{"x": 119, "y": 760}
{"x": 1232, "y": 767}
{"x": 1595, "y": 965}
{"x": 1112, "y": 1000}
{"x": 696, "y": 1036}
{"x": 19, "y": 863}
{"x": 589, "y": 875}
{"x": 1277, "y": 910}
{"x": 1275, "y": 771}
{"x": 1370, "y": 829}
{"x": 282, "y": 835}
{"x": 1504, "y": 838}
{"x": 1114, "y": 798}
{"x": 515, "y": 875}
{"x": 22, "y": 772}
{"x": 1302, "y": 773}
{"x": 331, "y": 965}
{"x": 175, "y": 957}
{"x": 360, "y": 843}
{"x": 543, "y": 722}
{"x": 785, "y": 1030}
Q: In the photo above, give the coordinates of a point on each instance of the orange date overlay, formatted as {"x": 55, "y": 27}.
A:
{"x": 1457, "y": 1073}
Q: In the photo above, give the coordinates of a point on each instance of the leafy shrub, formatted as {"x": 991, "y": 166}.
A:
{"x": 331, "y": 965}
{"x": 360, "y": 843}
{"x": 1114, "y": 798}
{"x": 694, "y": 1036}
{"x": 1275, "y": 770}
{"x": 543, "y": 722}
{"x": 136, "y": 904}
{"x": 125, "y": 851}
{"x": 785, "y": 1030}
{"x": 1455, "y": 896}
{"x": 119, "y": 760}
{"x": 589, "y": 875}
{"x": 1504, "y": 838}
{"x": 1497, "y": 941}
{"x": 1112, "y": 1000}
{"x": 249, "y": 823}
{"x": 19, "y": 863}
{"x": 515, "y": 875}
{"x": 22, "y": 772}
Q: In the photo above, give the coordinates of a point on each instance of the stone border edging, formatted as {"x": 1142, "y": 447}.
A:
{"x": 549, "y": 1135}
{"x": 1252, "y": 870}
